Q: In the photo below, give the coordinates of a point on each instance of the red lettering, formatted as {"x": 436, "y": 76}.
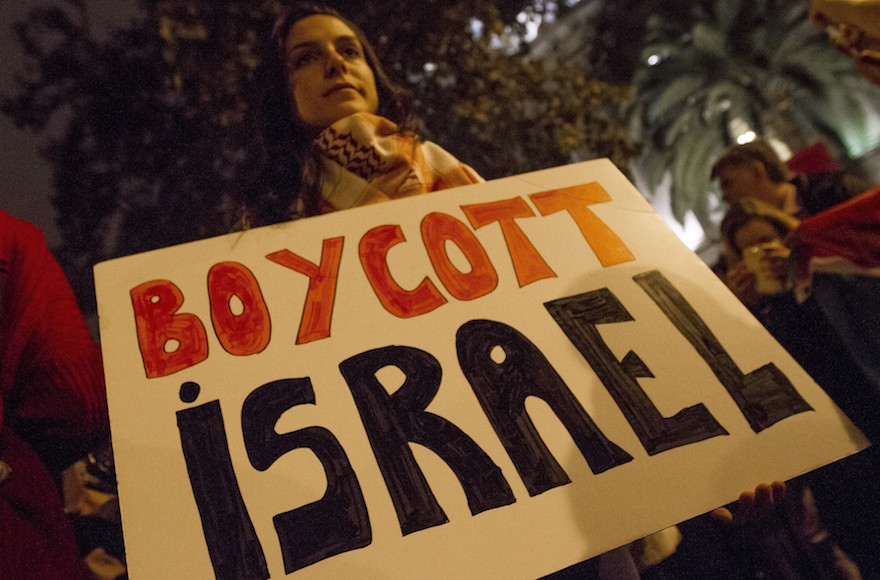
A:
{"x": 527, "y": 262}
{"x": 437, "y": 229}
{"x": 159, "y": 327}
{"x": 608, "y": 247}
{"x": 248, "y": 331}
{"x": 402, "y": 303}
{"x": 318, "y": 309}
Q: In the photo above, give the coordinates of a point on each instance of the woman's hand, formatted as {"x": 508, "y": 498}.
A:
{"x": 754, "y": 507}
{"x": 776, "y": 258}
{"x": 741, "y": 282}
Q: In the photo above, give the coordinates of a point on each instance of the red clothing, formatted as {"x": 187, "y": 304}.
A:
{"x": 53, "y": 404}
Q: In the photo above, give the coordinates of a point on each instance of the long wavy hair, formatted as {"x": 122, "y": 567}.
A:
{"x": 288, "y": 182}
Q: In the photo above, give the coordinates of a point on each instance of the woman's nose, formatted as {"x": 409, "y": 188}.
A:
{"x": 335, "y": 64}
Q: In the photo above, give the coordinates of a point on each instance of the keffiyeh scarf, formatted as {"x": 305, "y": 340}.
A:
{"x": 366, "y": 159}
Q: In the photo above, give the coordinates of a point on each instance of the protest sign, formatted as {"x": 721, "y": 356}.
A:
{"x": 498, "y": 380}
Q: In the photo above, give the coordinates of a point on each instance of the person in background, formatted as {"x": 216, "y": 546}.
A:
{"x": 849, "y": 236}
{"x": 840, "y": 214}
{"x": 53, "y": 408}
{"x": 754, "y": 170}
{"x": 757, "y": 236}
{"x": 753, "y": 232}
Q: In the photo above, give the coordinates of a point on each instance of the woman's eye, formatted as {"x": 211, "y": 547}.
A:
{"x": 301, "y": 59}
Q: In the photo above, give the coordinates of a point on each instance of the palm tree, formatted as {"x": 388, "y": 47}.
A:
{"x": 727, "y": 71}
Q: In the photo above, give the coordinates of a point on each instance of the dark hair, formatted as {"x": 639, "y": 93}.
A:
{"x": 290, "y": 167}
{"x": 749, "y": 209}
{"x": 750, "y": 152}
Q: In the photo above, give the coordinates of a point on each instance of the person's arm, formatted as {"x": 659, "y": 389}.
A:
{"x": 57, "y": 400}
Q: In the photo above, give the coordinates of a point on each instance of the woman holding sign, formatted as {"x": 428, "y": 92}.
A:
{"x": 336, "y": 131}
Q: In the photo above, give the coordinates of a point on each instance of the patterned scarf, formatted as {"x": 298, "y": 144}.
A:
{"x": 368, "y": 160}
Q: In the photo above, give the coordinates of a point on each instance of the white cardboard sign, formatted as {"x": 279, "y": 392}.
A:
{"x": 495, "y": 381}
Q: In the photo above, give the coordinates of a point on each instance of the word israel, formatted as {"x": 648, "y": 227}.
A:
{"x": 503, "y": 368}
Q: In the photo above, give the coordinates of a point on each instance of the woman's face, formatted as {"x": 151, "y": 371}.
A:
{"x": 755, "y": 232}
{"x": 328, "y": 76}
{"x": 739, "y": 181}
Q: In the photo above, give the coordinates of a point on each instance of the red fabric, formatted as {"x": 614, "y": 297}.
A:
{"x": 813, "y": 159}
{"x": 53, "y": 404}
{"x": 850, "y": 231}
{"x": 844, "y": 239}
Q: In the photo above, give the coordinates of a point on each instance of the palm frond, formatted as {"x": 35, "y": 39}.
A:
{"x": 727, "y": 67}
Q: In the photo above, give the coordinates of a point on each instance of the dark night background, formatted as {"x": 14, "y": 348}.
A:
{"x": 25, "y": 178}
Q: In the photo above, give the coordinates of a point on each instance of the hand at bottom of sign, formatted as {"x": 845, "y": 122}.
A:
{"x": 754, "y": 507}
{"x": 782, "y": 529}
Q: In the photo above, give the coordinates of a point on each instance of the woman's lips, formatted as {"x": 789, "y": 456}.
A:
{"x": 340, "y": 87}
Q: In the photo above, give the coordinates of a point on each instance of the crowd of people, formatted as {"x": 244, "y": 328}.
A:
{"x": 800, "y": 251}
{"x": 767, "y": 265}
{"x": 337, "y": 133}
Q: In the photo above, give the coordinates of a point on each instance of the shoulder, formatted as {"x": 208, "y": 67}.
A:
{"x": 20, "y": 241}
{"x": 27, "y": 267}
{"x": 14, "y": 229}
{"x": 820, "y": 191}
{"x": 446, "y": 165}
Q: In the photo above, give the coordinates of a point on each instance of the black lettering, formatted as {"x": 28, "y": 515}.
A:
{"x": 502, "y": 388}
{"x": 393, "y": 421}
{"x": 765, "y": 396}
{"x": 336, "y": 523}
{"x": 233, "y": 546}
{"x": 578, "y": 316}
